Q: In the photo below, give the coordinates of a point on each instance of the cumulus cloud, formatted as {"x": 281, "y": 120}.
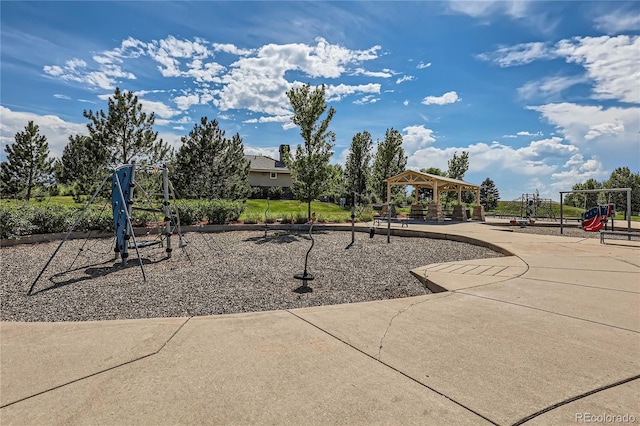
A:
{"x": 416, "y": 137}
{"x": 447, "y": 98}
{"x": 549, "y": 87}
{"x": 53, "y": 127}
{"x": 381, "y": 74}
{"x": 578, "y": 170}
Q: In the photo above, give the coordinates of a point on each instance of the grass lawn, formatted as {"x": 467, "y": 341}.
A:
{"x": 278, "y": 209}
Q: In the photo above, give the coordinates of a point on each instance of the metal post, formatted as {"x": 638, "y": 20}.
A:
{"x": 167, "y": 208}
{"x": 389, "y": 223}
{"x": 629, "y": 212}
{"x": 95, "y": 194}
{"x": 353, "y": 219}
{"x": 561, "y": 230}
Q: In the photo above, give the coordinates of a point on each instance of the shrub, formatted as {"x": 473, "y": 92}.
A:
{"x": 13, "y": 222}
{"x": 190, "y": 212}
{"x": 275, "y": 192}
{"x": 50, "y": 219}
{"x": 220, "y": 212}
{"x": 96, "y": 220}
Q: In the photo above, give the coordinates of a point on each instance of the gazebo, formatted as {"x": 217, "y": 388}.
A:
{"x": 438, "y": 184}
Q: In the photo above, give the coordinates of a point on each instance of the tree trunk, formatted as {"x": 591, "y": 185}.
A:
{"x": 309, "y": 210}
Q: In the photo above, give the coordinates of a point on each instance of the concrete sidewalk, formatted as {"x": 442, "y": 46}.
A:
{"x": 548, "y": 336}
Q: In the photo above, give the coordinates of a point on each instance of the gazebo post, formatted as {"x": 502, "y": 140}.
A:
{"x": 388, "y": 192}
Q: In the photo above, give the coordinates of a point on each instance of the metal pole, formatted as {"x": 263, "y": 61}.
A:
{"x": 389, "y": 222}
{"x": 353, "y": 219}
{"x": 167, "y": 209}
{"x": 69, "y": 232}
{"x": 561, "y": 230}
{"x": 629, "y": 212}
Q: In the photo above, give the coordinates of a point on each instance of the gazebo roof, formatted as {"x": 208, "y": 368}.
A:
{"x": 413, "y": 178}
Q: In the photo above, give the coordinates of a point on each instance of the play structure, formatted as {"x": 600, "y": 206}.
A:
{"x": 530, "y": 206}
{"x": 597, "y": 217}
{"x": 123, "y": 183}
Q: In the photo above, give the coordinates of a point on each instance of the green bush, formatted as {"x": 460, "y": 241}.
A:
{"x": 275, "y": 192}
{"x": 96, "y": 220}
{"x": 13, "y": 222}
{"x": 220, "y": 212}
{"x": 190, "y": 212}
{"x": 49, "y": 219}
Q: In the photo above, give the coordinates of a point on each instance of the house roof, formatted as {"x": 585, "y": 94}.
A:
{"x": 260, "y": 163}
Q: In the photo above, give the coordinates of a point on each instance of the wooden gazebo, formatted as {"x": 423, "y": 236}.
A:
{"x": 438, "y": 184}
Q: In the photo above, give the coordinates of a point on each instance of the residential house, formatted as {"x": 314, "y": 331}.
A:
{"x": 266, "y": 173}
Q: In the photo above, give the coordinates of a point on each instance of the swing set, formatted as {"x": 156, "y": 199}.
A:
{"x": 596, "y": 218}
{"x": 123, "y": 183}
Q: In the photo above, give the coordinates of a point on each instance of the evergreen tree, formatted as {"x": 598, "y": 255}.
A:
{"x": 209, "y": 165}
{"x": 126, "y": 132}
{"x": 390, "y": 160}
{"x": 28, "y": 164}
{"x": 489, "y": 195}
{"x": 310, "y": 171}
{"x": 357, "y": 168}
{"x": 83, "y": 163}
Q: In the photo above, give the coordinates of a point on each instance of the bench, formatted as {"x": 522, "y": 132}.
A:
{"x": 403, "y": 220}
{"x": 623, "y": 233}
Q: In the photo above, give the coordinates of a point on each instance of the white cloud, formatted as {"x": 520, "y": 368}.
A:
{"x": 549, "y": 86}
{"x": 447, "y": 98}
{"x": 56, "y": 130}
{"x": 381, "y": 74}
{"x": 525, "y": 133}
{"x": 618, "y": 21}
{"x": 611, "y": 62}
{"x": 368, "y": 99}
{"x": 405, "y": 102}
{"x": 405, "y": 78}
{"x": 582, "y": 124}
{"x": 422, "y": 65}
{"x": 416, "y": 137}
{"x": 266, "y": 151}
{"x": 335, "y": 93}
{"x": 186, "y": 101}
{"x": 59, "y": 96}
{"x": 159, "y": 108}
{"x": 271, "y": 119}
{"x": 578, "y": 170}
{"x": 484, "y": 8}
{"x": 520, "y": 54}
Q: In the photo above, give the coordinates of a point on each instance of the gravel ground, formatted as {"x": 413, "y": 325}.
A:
{"x": 221, "y": 273}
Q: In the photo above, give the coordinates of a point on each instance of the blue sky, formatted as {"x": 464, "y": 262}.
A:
{"x": 543, "y": 95}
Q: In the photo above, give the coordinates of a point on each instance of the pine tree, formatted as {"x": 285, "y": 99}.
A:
{"x": 357, "y": 168}
{"x": 208, "y": 165}
{"x": 390, "y": 160}
{"x": 489, "y": 195}
{"x": 83, "y": 163}
{"x": 28, "y": 164}
{"x": 126, "y": 132}
{"x": 310, "y": 171}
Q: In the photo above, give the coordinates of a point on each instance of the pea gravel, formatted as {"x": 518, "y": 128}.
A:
{"x": 217, "y": 273}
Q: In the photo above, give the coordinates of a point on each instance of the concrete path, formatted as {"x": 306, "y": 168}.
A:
{"x": 550, "y": 335}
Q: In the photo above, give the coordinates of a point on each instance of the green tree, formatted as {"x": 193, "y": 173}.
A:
{"x": 622, "y": 177}
{"x": 83, "y": 163}
{"x": 427, "y": 193}
{"x": 489, "y": 195}
{"x": 588, "y": 199}
{"x": 390, "y": 160}
{"x": 209, "y": 165}
{"x": 357, "y": 168}
{"x": 458, "y": 166}
{"x": 126, "y": 132}
{"x": 28, "y": 164}
{"x": 310, "y": 171}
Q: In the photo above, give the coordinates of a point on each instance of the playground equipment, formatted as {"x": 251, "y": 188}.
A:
{"x": 305, "y": 277}
{"x": 594, "y": 219}
{"x": 529, "y": 206}
{"x": 372, "y": 229}
{"x": 122, "y": 187}
{"x": 266, "y": 218}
